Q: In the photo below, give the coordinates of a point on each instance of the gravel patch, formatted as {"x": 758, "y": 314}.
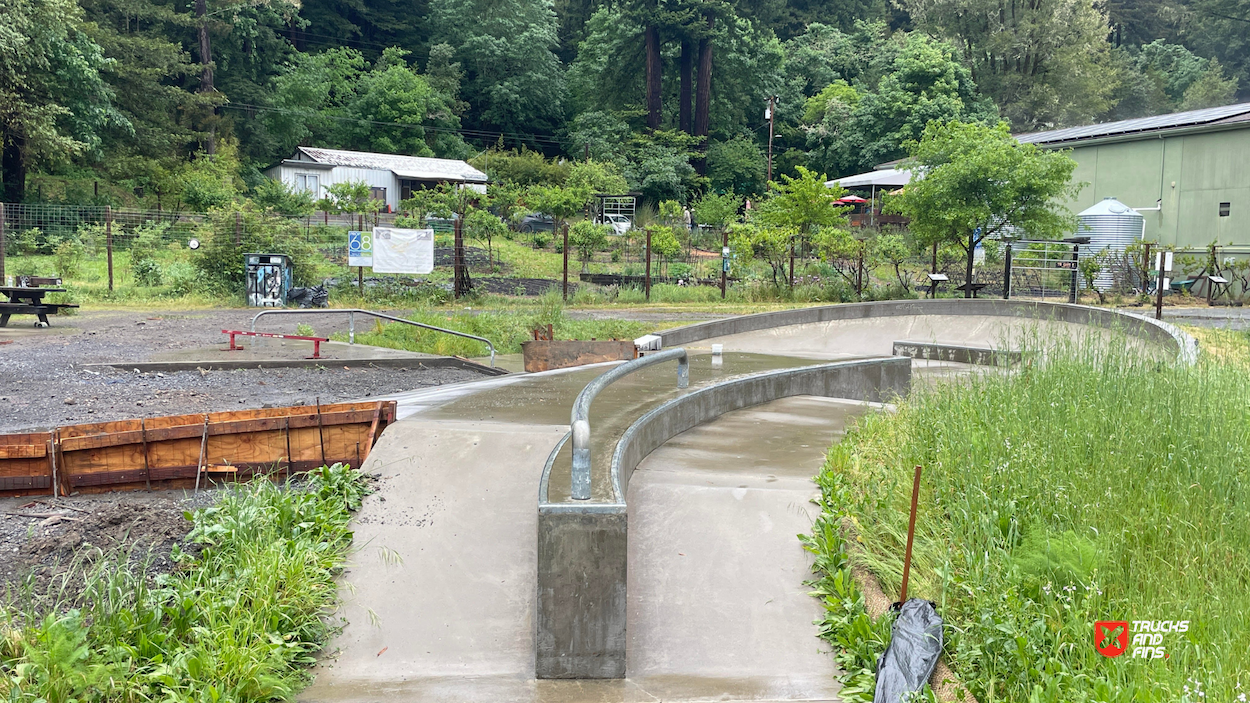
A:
{"x": 43, "y": 382}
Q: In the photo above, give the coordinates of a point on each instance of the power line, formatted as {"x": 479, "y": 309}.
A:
{"x": 471, "y": 133}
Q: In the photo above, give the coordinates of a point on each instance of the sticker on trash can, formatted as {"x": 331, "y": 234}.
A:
{"x": 359, "y": 248}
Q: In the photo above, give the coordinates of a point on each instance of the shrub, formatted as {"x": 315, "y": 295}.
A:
{"x": 221, "y": 262}
{"x": 68, "y": 258}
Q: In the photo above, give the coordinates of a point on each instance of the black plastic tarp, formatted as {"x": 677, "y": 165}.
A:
{"x": 915, "y": 645}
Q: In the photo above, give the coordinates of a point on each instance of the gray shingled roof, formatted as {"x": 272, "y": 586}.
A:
{"x": 405, "y": 166}
{"x": 1158, "y": 123}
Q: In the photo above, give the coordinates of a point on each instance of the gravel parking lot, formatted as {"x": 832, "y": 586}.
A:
{"x": 44, "y": 381}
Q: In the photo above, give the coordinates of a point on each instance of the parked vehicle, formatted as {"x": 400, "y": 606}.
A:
{"x": 620, "y": 223}
{"x": 536, "y": 222}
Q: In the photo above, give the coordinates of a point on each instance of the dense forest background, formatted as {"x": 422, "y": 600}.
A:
{"x": 112, "y": 101}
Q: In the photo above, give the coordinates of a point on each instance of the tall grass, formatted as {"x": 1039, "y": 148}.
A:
{"x": 1095, "y": 485}
{"x": 239, "y": 622}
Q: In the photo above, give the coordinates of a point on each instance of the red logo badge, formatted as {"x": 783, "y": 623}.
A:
{"x": 1111, "y": 637}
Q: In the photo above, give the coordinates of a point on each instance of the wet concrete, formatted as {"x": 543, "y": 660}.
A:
{"x": 441, "y": 592}
{"x": 842, "y": 339}
{"x": 715, "y": 572}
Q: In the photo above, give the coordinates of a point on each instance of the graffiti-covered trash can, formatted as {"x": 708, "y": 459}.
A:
{"x": 268, "y": 280}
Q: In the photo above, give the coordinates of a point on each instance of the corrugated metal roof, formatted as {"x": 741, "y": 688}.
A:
{"x": 1158, "y": 123}
{"x": 433, "y": 169}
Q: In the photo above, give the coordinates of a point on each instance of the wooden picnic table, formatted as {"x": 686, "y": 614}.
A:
{"x": 24, "y": 300}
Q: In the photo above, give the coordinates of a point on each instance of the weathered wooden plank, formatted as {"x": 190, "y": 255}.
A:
{"x": 113, "y": 455}
{"x": 24, "y": 451}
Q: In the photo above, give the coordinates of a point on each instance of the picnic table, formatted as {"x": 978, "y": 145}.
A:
{"x": 28, "y": 300}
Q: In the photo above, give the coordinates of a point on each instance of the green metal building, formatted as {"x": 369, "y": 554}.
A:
{"x": 1188, "y": 173}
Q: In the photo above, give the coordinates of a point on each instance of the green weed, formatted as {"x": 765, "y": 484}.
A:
{"x": 239, "y": 622}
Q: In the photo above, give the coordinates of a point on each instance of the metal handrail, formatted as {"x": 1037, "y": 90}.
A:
{"x": 580, "y": 421}
{"x": 351, "y": 324}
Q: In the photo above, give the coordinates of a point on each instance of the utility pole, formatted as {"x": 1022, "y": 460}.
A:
{"x": 769, "y": 114}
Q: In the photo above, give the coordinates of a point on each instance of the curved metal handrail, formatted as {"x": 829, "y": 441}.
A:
{"x": 580, "y": 420}
{"x": 351, "y": 324}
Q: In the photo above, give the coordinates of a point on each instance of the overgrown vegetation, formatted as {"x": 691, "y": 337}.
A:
{"x": 1096, "y": 485}
{"x": 240, "y": 621}
{"x": 505, "y": 328}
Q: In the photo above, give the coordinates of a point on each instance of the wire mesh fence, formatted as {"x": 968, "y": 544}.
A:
{"x": 116, "y": 249}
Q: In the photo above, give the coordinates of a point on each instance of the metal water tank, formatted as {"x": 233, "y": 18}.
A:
{"x": 1111, "y": 225}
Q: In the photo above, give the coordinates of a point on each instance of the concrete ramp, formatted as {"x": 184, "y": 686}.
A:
{"x": 441, "y": 598}
{"x": 717, "y": 605}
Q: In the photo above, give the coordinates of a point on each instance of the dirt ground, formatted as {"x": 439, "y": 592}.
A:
{"x": 43, "y": 381}
{"x": 44, "y": 537}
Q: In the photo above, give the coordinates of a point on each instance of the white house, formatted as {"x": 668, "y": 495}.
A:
{"x": 392, "y": 177}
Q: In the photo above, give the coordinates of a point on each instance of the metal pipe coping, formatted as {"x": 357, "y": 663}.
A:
{"x": 579, "y": 424}
{"x": 351, "y": 324}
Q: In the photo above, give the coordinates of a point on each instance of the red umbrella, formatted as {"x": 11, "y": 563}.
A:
{"x": 852, "y": 199}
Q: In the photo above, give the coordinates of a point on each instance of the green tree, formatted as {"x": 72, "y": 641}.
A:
{"x": 597, "y": 177}
{"x": 760, "y": 241}
{"x": 925, "y": 81}
{"x": 557, "y": 201}
{"x": 274, "y": 195}
{"x": 53, "y": 102}
{"x": 211, "y": 182}
{"x": 514, "y": 81}
{"x": 522, "y": 167}
{"x": 1213, "y": 89}
{"x": 349, "y": 197}
{"x": 1046, "y": 63}
{"x": 484, "y": 226}
{"x": 717, "y": 211}
{"x": 803, "y": 204}
{"x": 736, "y": 166}
{"x": 665, "y": 243}
{"x": 972, "y": 182}
{"x": 587, "y": 238}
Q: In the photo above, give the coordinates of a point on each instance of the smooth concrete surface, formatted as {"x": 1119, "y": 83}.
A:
{"x": 716, "y": 574}
{"x": 442, "y": 585}
{"x": 970, "y": 317}
{"x": 840, "y": 339}
{"x": 582, "y": 569}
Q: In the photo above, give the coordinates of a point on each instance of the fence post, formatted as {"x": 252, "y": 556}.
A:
{"x": 565, "y": 250}
{"x": 724, "y": 264}
{"x": 859, "y": 270}
{"x": 2, "y": 278}
{"x": 646, "y": 281}
{"x": 1076, "y": 273}
{"x": 1007, "y": 273}
{"x": 108, "y": 240}
{"x": 238, "y": 229}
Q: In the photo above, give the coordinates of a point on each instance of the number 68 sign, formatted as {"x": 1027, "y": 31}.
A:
{"x": 359, "y": 248}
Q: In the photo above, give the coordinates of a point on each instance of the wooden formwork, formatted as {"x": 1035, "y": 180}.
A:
{"x": 176, "y": 451}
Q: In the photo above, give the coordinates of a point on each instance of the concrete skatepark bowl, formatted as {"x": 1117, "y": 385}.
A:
{"x": 681, "y": 573}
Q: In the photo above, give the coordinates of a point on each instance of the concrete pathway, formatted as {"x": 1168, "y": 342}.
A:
{"x": 716, "y": 596}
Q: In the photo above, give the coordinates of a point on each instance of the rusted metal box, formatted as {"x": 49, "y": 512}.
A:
{"x": 544, "y": 354}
